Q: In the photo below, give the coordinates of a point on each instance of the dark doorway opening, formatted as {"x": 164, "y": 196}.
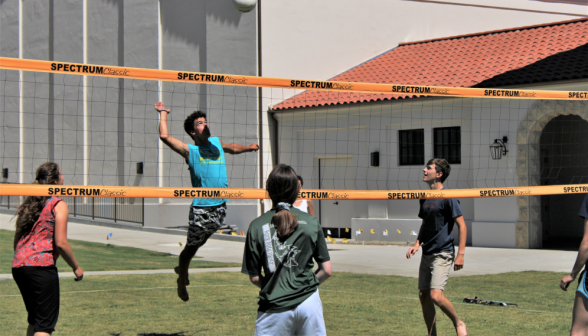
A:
{"x": 563, "y": 160}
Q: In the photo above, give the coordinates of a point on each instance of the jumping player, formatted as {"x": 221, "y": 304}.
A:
{"x": 439, "y": 217}
{"x": 206, "y": 161}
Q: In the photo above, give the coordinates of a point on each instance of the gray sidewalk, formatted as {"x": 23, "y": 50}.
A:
{"x": 368, "y": 259}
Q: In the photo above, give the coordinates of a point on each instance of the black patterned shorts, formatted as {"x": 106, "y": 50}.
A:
{"x": 204, "y": 221}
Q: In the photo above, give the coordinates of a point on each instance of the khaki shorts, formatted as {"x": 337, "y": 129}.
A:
{"x": 434, "y": 270}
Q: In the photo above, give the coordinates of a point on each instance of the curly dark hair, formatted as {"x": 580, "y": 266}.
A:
{"x": 441, "y": 166}
{"x": 189, "y": 122}
{"x": 30, "y": 209}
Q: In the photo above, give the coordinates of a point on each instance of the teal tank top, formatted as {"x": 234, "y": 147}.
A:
{"x": 208, "y": 170}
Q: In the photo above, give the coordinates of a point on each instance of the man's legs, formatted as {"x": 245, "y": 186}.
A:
{"x": 438, "y": 297}
{"x": 203, "y": 223}
{"x": 580, "y": 316}
{"x": 433, "y": 275}
{"x": 185, "y": 258}
{"x": 430, "y": 298}
{"x": 429, "y": 313}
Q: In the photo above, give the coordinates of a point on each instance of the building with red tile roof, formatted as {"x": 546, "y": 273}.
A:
{"x": 543, "y": 53}
{"x": 356, "y": 141}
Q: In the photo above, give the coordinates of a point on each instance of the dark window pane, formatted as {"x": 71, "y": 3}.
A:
{"x": 411, "y": 147}
{"x": 447, "y": 143}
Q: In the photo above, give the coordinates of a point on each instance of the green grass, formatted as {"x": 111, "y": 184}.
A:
{"x": 354, "y": 304}
{"x": 106, "y": 257}
{"x": 226, "y": 303}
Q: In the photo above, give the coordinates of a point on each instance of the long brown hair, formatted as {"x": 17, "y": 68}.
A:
{"x": 30, "y": 209}
{"x": 283, "y": 187}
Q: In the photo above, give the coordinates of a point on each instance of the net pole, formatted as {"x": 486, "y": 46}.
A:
{"x": 159, "y": 98}
{"x": 20, "y": 98}
{"x": 86, "y": 153}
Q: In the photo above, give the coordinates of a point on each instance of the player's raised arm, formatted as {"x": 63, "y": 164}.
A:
{"x": 173, "y": 143}
{"x": 238, "y": 149}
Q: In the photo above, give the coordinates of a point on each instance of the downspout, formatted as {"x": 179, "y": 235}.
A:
{"x": 276, "y": 150}
{"x": 260, "y": 104}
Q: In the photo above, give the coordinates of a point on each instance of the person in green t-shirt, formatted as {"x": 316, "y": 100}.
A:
{"x": 279, "y": 251}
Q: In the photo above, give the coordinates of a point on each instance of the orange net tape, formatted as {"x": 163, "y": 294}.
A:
{"x": 286, "y": 83}
{"x": 230, "y": 193}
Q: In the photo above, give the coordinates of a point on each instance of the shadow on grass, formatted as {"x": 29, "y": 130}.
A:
{"x": 181, "y": 333}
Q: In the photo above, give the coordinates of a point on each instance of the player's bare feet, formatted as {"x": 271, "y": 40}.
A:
{"x": 461, "y": 329}
{"x": 182, "y": 291}
{"x": 177, "y": 270}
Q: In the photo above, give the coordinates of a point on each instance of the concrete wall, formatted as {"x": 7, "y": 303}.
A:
{"x": 9, "y": 88}
{"x": 204, "y": 36}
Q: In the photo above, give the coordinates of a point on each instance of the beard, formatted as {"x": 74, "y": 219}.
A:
{"x": 206, "y": 131}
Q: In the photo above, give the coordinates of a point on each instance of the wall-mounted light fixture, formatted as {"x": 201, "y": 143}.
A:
{"x": 375, "y": 159}
{"x": 140, "y": 168}
{"x": 4, "y": 172}
{"x": 498, "y": 148}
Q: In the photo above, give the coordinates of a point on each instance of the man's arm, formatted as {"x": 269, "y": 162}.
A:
{"x": 173, "y": 143}
{"x": 580, "y": 260}
{"x": 256, "y": 280}
{"x": 324, "y": 271}
{"x": 238, "y": 149}
{"x": 463, "y": 235}
{"x": 413, "y": 249}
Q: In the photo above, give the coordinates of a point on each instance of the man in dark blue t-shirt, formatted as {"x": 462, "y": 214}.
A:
{"x": 439, "y": 217}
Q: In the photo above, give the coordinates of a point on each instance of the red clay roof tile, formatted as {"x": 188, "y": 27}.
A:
{"x": 532, "y": 54}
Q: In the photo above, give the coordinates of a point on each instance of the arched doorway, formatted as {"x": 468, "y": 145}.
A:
{"x": 563, "y": 160}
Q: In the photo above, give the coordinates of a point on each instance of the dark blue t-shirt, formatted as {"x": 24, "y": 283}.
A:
{"x": 438, "y": 221}
{"x": 584, "y": 209}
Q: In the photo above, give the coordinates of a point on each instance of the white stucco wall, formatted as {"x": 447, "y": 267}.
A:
{"x": 345, "y": 135}
{"x": 320, "y": 39}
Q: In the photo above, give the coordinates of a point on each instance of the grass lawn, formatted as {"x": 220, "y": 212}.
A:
{"x": 105, "y": 257}
{"x": 226, "y": 303}
{"x": 354, "y": 304}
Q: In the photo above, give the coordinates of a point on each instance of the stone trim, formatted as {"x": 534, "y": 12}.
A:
{"x": 528, "y": 227}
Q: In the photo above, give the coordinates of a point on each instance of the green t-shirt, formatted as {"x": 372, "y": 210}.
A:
{"x": 287, "y": 265}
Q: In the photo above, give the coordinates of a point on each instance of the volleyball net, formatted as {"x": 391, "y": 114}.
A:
{"x": 348, "y": 141}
